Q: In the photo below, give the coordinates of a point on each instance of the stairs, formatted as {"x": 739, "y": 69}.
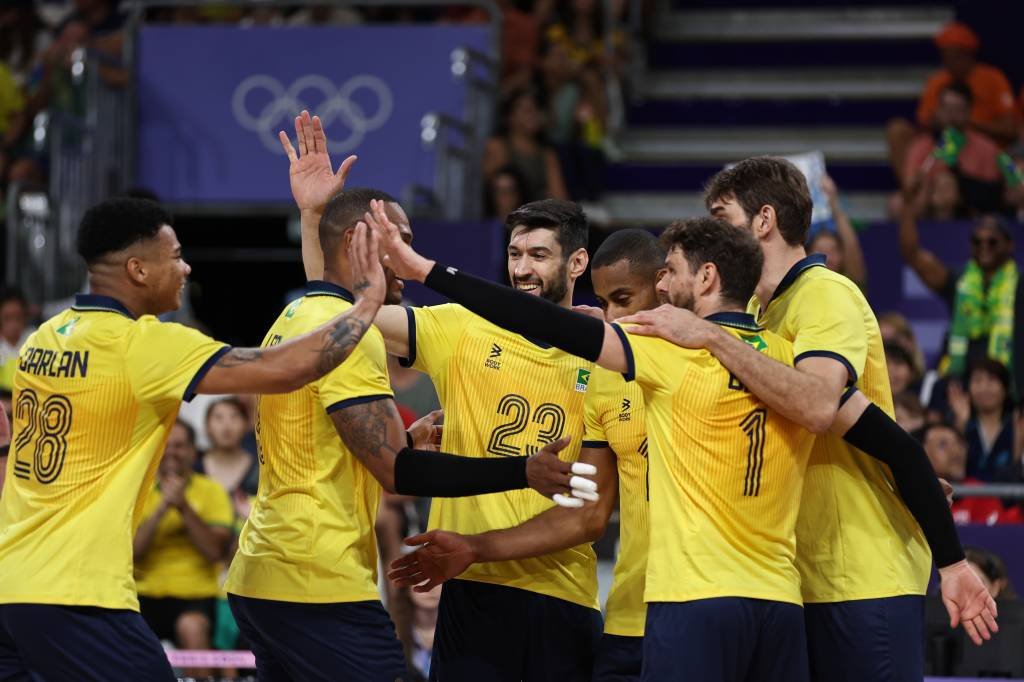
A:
{"x": 727, "y": 80}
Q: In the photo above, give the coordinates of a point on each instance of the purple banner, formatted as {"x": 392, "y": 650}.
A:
{"x": 211, "y": 99}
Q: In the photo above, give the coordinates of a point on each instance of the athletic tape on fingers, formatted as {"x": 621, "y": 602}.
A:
{"x": 584, "y": 469}
{"x": 580, "y": 483}
{"x": 567, "y": 501}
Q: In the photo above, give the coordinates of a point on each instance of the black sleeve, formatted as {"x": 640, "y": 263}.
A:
{"x": 575, "y": 333}
{"x": 882, "y": 438}
{"x": 437, "y": 474}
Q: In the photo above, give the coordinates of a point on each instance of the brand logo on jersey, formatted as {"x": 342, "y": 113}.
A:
{"x": 624, "y": 413}
{"x": 756, "y": 341}
{"x": 582, "y": 379}
{"x": 290, "y": 312}
{"x": 495, "y": 353}
{"x": 68, "y": 327}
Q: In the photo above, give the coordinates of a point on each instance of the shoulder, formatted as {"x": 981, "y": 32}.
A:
{"x": 939, "y": 79}
{"x": 988, "y": 75}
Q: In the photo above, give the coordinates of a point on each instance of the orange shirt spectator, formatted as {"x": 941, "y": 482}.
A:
{"x": 993, "y": 110}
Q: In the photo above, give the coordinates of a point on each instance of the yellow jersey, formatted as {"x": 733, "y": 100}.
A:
{"x": 855, "y": 537}
{"x": 726, "y": 473}
{"x": 309, "y": 537}
{"x": 173, "y": 567}
{"x": 95, "y": 396}
{"x": 504, "y": 396}
{"x": 613, "y": 415}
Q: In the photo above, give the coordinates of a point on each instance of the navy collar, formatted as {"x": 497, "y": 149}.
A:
{"x": 88, "y": 302}
{"x": 743, "y": 321}
{"x": 811, "y": 261}
{"x": 318, "y": 287}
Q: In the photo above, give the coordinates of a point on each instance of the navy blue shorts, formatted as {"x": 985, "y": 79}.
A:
{"x": 342, "y": 641}
{"x": 868, "y": 640}
{"x": 49, "y": 642}
{"x": 493, "y": 632}
{"x": 619, "y": 659}
{"x": 728, "y": 639}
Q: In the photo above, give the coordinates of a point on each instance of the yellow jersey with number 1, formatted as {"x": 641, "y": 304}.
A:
{"x": 855, "y": 538}
{"x": 613, "y": 414}
{"x": 504, "y": 396}
{"x": 96, "y": 393}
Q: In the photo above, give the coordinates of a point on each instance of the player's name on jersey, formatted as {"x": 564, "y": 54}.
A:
{"x": 54, "y": 363}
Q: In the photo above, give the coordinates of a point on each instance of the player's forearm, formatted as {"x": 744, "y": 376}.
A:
{"x": 551, "y": 531}
{"x": 799, "y": 396}
{"x": 209, "y": 541}
{"x": 312, "y": 255}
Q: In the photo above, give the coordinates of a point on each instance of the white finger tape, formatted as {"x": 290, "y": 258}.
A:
{"x": 584, "y": 469}
{"x": 585, "y": 495}
{"x": 580, "y": 483}
{"x": 567, "y": 501}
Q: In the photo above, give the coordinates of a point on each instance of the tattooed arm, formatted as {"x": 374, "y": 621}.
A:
{"x": 295, "y": 363}
{"x": 374, "y": 433}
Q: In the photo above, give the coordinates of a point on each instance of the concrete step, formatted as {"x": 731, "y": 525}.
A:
{"x": 798, "y": 23}
{"x": 673, "y": 145}
{"x": 788, "y": 84}
{"x": 657, "y": 209}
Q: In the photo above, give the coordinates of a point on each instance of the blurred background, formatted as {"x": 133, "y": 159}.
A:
{"x": 905, "y": 116}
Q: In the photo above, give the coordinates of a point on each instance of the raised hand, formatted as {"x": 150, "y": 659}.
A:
{"x": 172, "y": 486}
{"x": 968, "y": 602}
{"x": 678, "y": 325}
{"x": 368, "y": 282}
{"x": 563, "y": 482}
{"x": 398, "y": 255}
{"x": 313, "y": 180}
{"x": 426, "y": 432}
{"x": 443, "y": 556}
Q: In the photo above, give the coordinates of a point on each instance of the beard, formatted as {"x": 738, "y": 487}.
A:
{"x": 553, "y": 290}
{"x": 683, "y": 299}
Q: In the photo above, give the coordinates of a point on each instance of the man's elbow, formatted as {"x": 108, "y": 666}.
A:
{"x": 819, "y": 420}
{"x": 595, "y": 525}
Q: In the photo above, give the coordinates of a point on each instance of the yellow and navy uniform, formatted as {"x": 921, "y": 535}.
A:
{"x": 173, "y": 566}
{"x": 309, "y": 537}
{"x": 613, "y": 415}
{"x": 504, "y": 396}
{"x": 726, "y": 473}
{"x": 855, "y": 538}
{"x": 95, "y": 395}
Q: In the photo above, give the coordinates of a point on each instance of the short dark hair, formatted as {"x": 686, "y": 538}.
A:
{"x": 928, "y": 428}
{"x": 994, "y": 368}
{"x": 767, "y": 181}
{"x": 8, "y": 294}
{"x": 231, "y": 400}
{"x": 960, "y": 88}
{"x": 566, "y": 218}
{"x": 118, "y": 223}
{"x": 189, "y": 431}
{"x": 733, "y": 250}
{"x": 640, "y": 248}
{"x": 343, "y": 211}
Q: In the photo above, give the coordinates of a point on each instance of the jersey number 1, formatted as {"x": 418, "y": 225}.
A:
{"x": 48, "y": 426}
{"x": 753, "y": 425}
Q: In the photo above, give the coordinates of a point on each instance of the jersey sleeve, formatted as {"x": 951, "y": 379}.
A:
{"x": 362, "y": 378}
{"x": 830, "y": 324}
{"x": 646, "y": 359}
{"x": 166, "y": 361}
{"x": 594, "y": 407}
{"x": 433, "y": 333}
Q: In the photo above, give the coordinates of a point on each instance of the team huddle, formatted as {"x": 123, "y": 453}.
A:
{"x": 776, "y": 523}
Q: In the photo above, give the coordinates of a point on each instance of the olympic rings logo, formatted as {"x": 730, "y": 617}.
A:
{"x": 337, "y": 106}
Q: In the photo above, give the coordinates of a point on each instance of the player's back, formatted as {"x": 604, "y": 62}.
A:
{"x": 856, "y": 539}
{"x": 504, "y": 396}
{"x": 310, "y": 534}
{"x": 95, "y": 395}
{"x": 726, "y": 474}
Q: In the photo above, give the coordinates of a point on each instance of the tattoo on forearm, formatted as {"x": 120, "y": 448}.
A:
{"x": 366, "y": 428}
{"x": 361, "y": 286}
{"x": 340, "y": 341}
{"x": 239, "y": 356}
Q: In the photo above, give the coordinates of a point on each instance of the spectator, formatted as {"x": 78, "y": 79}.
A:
{"x": 902, "y": 376}
{"x": 227, "y": 462}
{"x": 842, "y": 247}
{"x": 14, "y": 330}
{"x": 980, "y": 298}
{"x": 947, "y": 452}
{"x": 992, "y": 570}
{"x": 909, "y": 413}
{"x": 896, "y": 329}
{"x": 506, "y": 191}
{"x": 5, "y": 441}
{"x": 984, "y": 415}
{"x": 974, "y": 180}
{"x": 23, "y": 39}
{"x": 424, "y": 622}
{"x": 177, "y": 547}
{"x": 413, "y": 389}
{"x": 520, "y": 145}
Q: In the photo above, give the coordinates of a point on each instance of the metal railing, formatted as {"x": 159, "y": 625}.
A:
{"x": 1006, "y": 491}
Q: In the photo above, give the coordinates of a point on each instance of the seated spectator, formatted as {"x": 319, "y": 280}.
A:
{"x": 506, "y": 191}
{"x": 520, "y": 144}
{"x": 184, "y": 534}
{"x": 841, "y": 247}
{"x": 423, "y": 625}
{"x": 947, "y": 452}
{"x": 992, "y": 111}
{"x": 992, "y": 570}
{"x": 23, "y": 39}
{"x": 981, "y": 297}
{"x": 903, "y": 378}
{"x": 227, "y": 462}
{"x": 909, "y": 413}
{"x": 984, "y": 415}
{"x": 969, "y": 159}
{"x": 14, "y": 330}
{"x": 896, "y": 329}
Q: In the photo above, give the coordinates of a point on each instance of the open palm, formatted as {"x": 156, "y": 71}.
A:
{"x": 313, "y": 180}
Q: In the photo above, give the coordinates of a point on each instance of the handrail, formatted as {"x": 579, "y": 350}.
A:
{"x": 1003, "y": 490}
